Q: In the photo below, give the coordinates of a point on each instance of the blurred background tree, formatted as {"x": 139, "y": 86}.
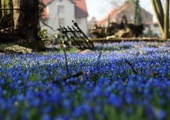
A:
{"x": 25, "y": 16}
{"x": 137, "y": 16}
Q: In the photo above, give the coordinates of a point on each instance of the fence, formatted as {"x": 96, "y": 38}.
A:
{"x": 76, "y": 36}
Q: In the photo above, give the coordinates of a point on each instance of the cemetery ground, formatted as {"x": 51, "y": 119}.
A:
{"x": 114, "y": 81}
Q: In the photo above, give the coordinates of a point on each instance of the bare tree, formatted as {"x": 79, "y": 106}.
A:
{"x": 116, "y": 3}
{"x": 137, "y": 13}
{"x": 162, "y": 16}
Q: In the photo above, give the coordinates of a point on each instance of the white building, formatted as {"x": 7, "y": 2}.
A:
{"x": 62, "y": 12}
{"x": 153, "y": 28}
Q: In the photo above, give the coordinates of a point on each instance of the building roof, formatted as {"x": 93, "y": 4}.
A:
{"x": 114, "y": 12}
{"x": 80, "y": 8}
{"x": 46, "y": 1}
{"x": 45, "y": 13}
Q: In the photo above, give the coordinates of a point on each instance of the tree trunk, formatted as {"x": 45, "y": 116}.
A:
{"x": 16, "y": 13}
{"x": 0, "y": 7}
{"x": 26, "y": 21}
{"x": 29, "y": 19}
{"x": 163, "y": 18}
{"x": 157, "y": 6}
{"x": 166, "y": 21}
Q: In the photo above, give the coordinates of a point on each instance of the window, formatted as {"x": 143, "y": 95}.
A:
{"x": 61, "y": 21}
{"x": 156, "y": 25}
{"x": 131, "y": 17}
{"x": 61, "y": 8}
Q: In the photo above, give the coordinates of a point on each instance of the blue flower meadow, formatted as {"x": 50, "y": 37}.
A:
{"x": 130, "y": 81}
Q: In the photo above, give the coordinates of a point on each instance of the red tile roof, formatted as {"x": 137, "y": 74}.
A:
{"x": 116, "y": 12}
{"x": 80, "y": 8}
{"x": 113, "y": 13}
{"x": 45, "y": 14}
{"x": 46, "y": 1}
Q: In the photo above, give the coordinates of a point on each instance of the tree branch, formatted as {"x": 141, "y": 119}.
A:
{"x": 66, "y": 62}
{"x": 134, "y": 71}
{"x": 68, "y": 77}
{"x": 47, "y": 25}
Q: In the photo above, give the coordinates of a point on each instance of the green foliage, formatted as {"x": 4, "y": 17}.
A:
{"x": 3, "y": 46}
{"x": 95, "y": 77}
{"x": 43, "y": 34}
{"x": 168, "y": 75}
{"x": 5, "y": 4}
{"x": 113, "y": 113}
{"x": 72, "y": 50}
{"x": 17, "y": 49}
{"x": 34, "y": 77}
{"x": 34, "y": 114}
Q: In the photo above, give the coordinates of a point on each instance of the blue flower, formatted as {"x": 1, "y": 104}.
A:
{"x": 129, "y": 98}
{"x": 115, "y": 101}
{"x": 78, "y": 111}
{"x": 67, "y": 103}
{"x": 111, "y": 82}
{"x": 154, "y": 113}
{"x": 160, "y": 114}
{"x": 46, "y": 117}
{"x": 97, "y": 91}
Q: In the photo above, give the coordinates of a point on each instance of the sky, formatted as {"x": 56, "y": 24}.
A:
{"x": 100, "y": 8}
